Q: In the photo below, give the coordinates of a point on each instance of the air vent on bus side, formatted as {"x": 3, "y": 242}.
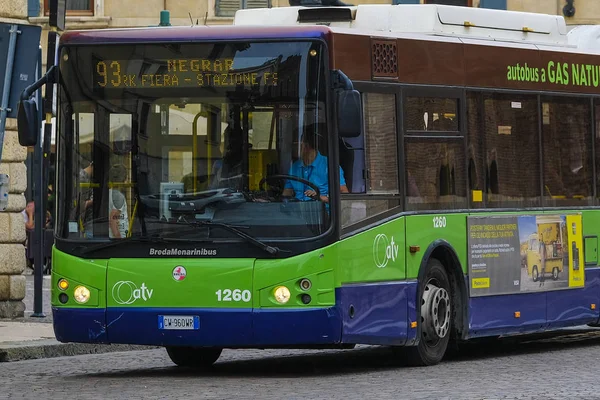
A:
{"x": 384, "y": 58}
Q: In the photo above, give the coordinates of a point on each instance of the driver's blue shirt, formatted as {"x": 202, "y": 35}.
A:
{"x": 317, "y": 173}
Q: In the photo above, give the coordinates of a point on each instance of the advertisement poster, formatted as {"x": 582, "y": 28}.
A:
{"x": 525, "y": 253}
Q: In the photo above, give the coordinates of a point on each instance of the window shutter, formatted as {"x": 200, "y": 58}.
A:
{"x": 257, "y": 3}
{"x": 495, "y": 4}
{"x": 227, "y": 8}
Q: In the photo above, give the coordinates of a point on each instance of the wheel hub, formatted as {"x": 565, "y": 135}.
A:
{"x": 435, "y": 312}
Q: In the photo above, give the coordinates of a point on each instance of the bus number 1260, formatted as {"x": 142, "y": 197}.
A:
{"x": 233, "y": 295}
{"x": 439, "y": 222}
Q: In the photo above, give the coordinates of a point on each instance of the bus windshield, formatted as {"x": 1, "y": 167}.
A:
{"x": 156, "y": 140}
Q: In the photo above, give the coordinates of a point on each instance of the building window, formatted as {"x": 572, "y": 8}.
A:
{"x": 227, "y": 8}
{"x": 74, "y": 7}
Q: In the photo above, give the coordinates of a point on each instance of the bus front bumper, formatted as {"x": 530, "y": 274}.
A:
{"x": 217, "y": 327}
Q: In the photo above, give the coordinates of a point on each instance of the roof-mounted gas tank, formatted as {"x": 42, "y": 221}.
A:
{"x": 420, "y": 19}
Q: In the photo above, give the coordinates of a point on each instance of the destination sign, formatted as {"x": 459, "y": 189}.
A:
{"x": 173, "y": 73}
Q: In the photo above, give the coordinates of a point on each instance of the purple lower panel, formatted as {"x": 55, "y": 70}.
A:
{"x": 377, "y": 313}
{"x": 79, "y": 325}
{"x": 574, "y": 306}
{"x": 495, "y": 315}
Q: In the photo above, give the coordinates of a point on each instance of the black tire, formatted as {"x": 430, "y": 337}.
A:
{"x": 435, "y": 317}
{"x": 555, "y": 273}
{"x": 535, "y": 275}
{"x": 194, "y": 357}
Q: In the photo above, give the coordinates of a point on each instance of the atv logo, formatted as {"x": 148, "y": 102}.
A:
{"x": 127, "y": 292}
{"x": 384, "y": 250}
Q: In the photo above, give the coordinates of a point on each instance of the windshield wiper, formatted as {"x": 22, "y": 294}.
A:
{"x": 138, "y": 239}
{"x": 231, "y": 228}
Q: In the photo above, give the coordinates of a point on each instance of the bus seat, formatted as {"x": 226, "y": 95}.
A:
{"x": 346, "y": 163}
{"x": 353, "y": 163}
{"x": 358, "y": 179}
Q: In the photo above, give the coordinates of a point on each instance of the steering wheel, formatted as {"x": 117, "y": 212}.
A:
{"x": 294, "y": 178}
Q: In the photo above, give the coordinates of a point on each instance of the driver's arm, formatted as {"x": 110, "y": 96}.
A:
{"x": 325, "y": 198}
{"x": 343, "y": 187}
{"x": 288, "y": 189}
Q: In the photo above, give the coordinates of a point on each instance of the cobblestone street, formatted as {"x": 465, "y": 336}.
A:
{"x": 503, "y": 371}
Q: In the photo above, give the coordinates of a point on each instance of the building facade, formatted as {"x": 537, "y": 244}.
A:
{"x": 12, "y": 225}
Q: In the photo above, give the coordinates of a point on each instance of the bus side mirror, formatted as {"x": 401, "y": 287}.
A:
{"x": 28, "y": 123}
{"x": 349, "y": 113}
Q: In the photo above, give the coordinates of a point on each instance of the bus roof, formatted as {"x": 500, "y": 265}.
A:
{"x": 439, "y": 20}
{"x": 426, "y": 22}
{"x": 191, "y": 33}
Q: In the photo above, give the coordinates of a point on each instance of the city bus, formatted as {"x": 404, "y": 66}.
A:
{"x": 325, "y": 177}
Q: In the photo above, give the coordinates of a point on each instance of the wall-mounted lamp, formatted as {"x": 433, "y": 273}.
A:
{"x": 569, "y": 9}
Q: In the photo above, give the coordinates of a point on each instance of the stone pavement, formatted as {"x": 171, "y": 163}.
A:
{"x": 22, "y": 339}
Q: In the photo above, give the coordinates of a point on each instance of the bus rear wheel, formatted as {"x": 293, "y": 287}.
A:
{"x": 194, "y": 357}
{"x": 436, "y": 316}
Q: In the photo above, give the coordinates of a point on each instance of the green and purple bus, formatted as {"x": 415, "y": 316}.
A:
{"x": 322, "y": 177}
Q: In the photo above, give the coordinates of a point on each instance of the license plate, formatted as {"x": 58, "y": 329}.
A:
{"x": 178, "y": 322}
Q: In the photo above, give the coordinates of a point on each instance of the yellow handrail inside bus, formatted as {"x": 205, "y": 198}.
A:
{"x": 195, "y": 152}
{"x": 111, "y": 185}
{"x": 133, "y": 213}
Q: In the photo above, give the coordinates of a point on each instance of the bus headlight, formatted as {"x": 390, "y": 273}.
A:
{"x": 282, "y": 294}
{"x": 81, "y": 294}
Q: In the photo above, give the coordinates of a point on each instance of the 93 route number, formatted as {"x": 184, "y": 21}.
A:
{"x": 233, "y": 295}
{"x": 439, "y": 222}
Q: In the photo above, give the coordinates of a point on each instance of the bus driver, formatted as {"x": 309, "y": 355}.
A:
{"x": 311, "y": 166}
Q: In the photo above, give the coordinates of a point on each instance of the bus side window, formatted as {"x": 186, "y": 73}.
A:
{"x": 435, "y": 164}
{"x": 370, "y": 162}
{"x": 511, "y": 143}
{"x": 478, "y": 173}
{"x": 436, "y": 174}
{"x": 567, "y": 157}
